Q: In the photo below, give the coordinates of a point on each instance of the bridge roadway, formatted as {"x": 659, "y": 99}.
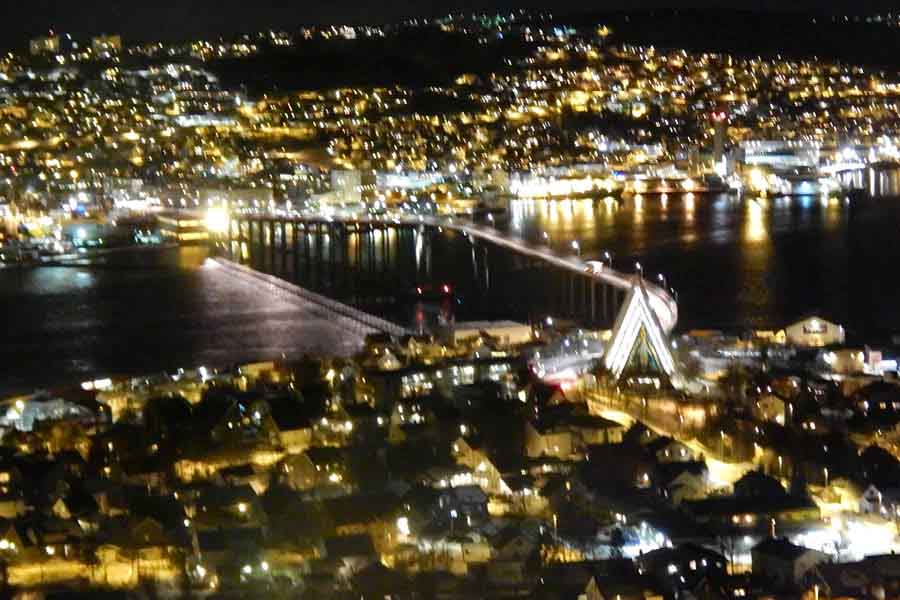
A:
{"x": 661, "y": 302}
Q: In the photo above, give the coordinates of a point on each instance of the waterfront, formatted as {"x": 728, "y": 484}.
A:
{"x": 736, "y": 263}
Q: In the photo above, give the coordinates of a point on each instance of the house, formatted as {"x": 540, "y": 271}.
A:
{"x": 319, "y": 467}
{"x": 756, "y": 484}
{"x": 353, "y": 553}
{"x": 524, "y": 497}
{"x": 465, "y": 500}
{"x": 875, "y": 501}
{"x": 41, "y": 538}
{"x": 876, "y": 576}
{"x": 232, "y": 507}
{"x": 667, "y": 450}
{"x": 626, "y": 464}
{"x": 515, "y": 543}
{"x": 372, "y": 515}
{"x": 146, "y": 536}
{"x": 680, "y": 481}
{"x": 220, "y": 549}
{"x": 249, "y": 475}
{"x": 752, "y": 513}
{"x": 294, "y": 425}
{"x": 814, "y": 332}
{"x": 594, "y": 580}
{"x": 470, "y": 455}
{"x": 783, "y": 563}
{"x": 565, "y": 431}
{"x": 683, "y": 568}
{"x": 12, "y": 494}
{"x": 769, "y": 407}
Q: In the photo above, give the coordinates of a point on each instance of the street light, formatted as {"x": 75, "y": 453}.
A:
{"x": 490, "y": 219}
{"x": 639, "y": 269}
{"x": 546, "y": 237}
{"x": 662, "y": 279}
{"x": 608, "y": 256}
{"x": 576, "y": 247}
{"x": 826, "y": 476}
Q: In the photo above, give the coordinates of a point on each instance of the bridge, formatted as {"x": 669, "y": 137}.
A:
{"x": 587, "y": 291}
{"x": 842, "y": 167}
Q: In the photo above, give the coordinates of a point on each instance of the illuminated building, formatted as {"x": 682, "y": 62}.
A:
{"x": 781, "y": 155}
{"x": 45, "y": 45}
{"x": 183, "y": 228}
{"x": 105, "y": 46}
{"x": 814, "y": 332}
{"x": 638, "y": 351}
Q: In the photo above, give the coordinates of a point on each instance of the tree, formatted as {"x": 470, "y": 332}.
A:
{"x": 617, "y": 542}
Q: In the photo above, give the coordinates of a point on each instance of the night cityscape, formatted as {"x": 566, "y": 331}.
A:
{"x": 449, "y": 301}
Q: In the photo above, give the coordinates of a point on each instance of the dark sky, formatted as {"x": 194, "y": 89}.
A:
{"x": 176, "y": 19}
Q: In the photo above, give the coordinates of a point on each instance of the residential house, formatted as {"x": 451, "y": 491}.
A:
{"x": 353, "y": 553}
{"x": 756, "y": 484}
{"x": 322, "y": 470}
{"x": 295, "y": 427}
{"x": 753, "y": 513}
{"x": 566, "y": 431}
{"x": 680, "y": 481}
{"x": 515, "y": 555}
{"x": 875, "y": 501}
{"x": 469, "y": 454}
{"x": 228, "y": 507}
{"x": 668, "y": 450}
{"x": 683, "y": 568}
{"x": 12, "y": 494}
{"x": 783, "y": 563}
{"x": 372, "y": 515}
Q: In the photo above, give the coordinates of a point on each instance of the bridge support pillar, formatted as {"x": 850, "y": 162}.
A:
{"x": 295, "y": 249}
{"x": 283, "y": 246}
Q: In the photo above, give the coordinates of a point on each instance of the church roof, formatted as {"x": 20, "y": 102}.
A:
{"x": 638, "y": 328}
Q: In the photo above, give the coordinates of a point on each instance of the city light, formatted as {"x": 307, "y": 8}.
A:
{"x": 217, "y": 220}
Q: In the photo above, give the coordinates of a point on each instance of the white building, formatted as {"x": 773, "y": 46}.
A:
{"x": 814, "y": 332}
{"x": 781, "y": 154}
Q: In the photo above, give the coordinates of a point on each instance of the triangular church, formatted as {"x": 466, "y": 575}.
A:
{"x": 638, "y": 352}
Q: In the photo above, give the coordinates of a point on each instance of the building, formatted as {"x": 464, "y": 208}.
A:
{"x": 45, "y": 46}
{"x": 784, "y": 563}
{"x": 814, "y": 332}
{"x": 638, "y": 353}
{"x": 781, "y": 155}
{"x": 348, "y": 185}
{"x": 105, "y": 46}
{"x": 182, "y": 227}
{"x": 507, "y": 333}
{"x": 565, "y": 433}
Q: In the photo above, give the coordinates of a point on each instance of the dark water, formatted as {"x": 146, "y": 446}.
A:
{"x": 735, "y": 262}
{"x": 743, "y": 262}
{"x": 145, "y": 312}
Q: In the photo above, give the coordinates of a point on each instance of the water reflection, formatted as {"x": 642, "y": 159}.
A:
{"x": 755, "y": 229}
{"x": 738, "y": 260}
